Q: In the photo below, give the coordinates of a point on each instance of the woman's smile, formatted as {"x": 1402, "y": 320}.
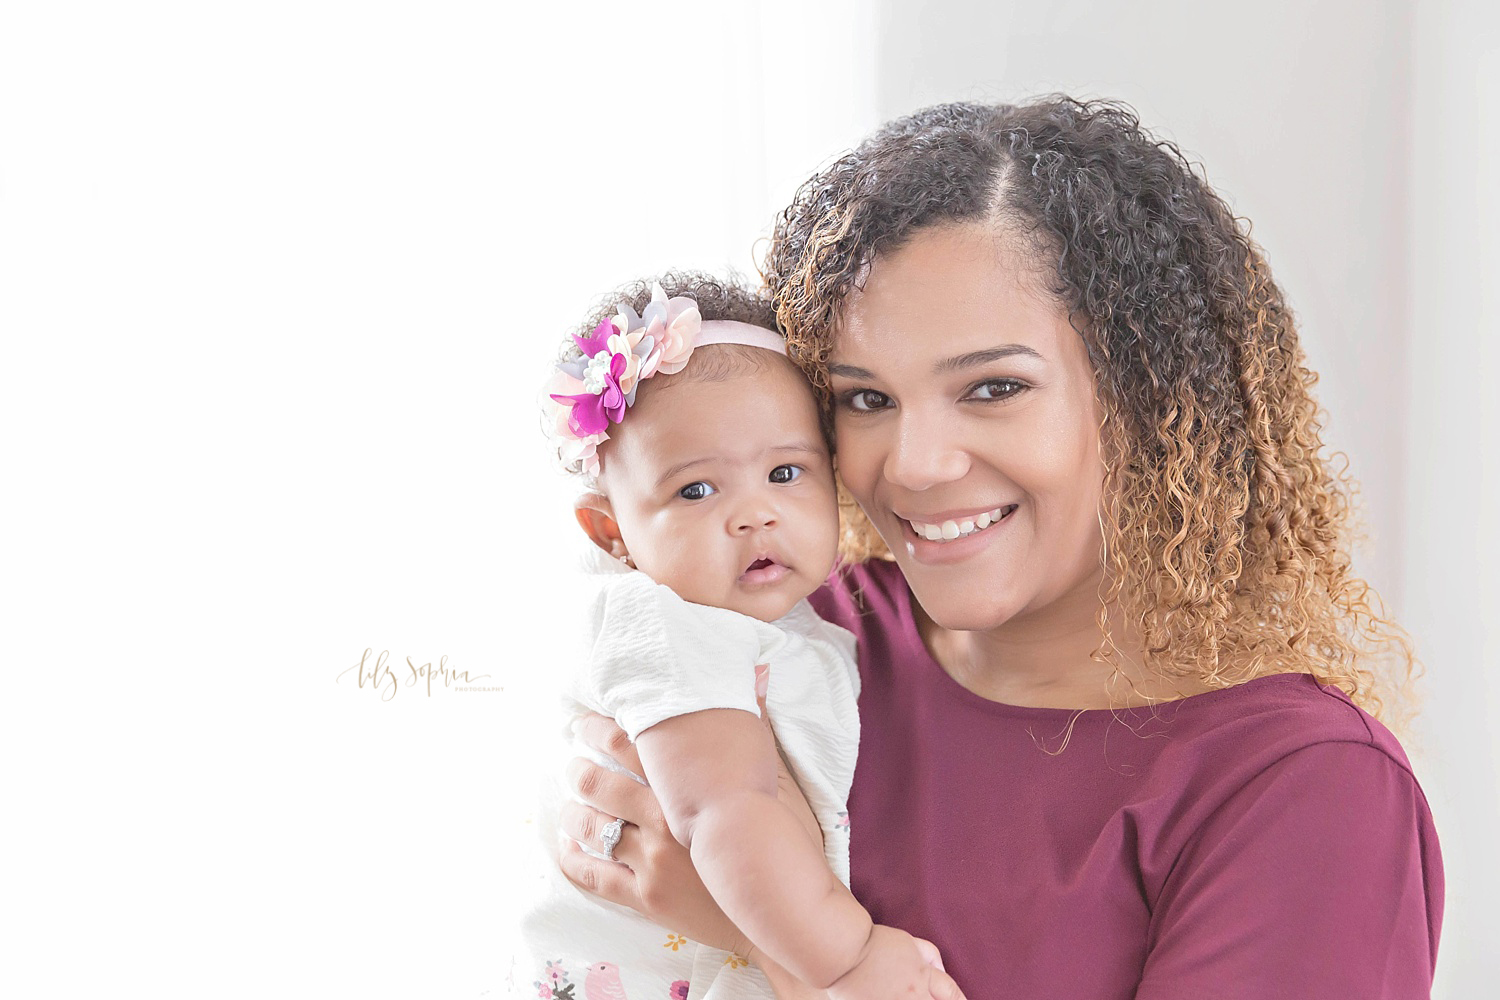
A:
{"x": 956, "y": 539}
{"x": 936, "y": 528}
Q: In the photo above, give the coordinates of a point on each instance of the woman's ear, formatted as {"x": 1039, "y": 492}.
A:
{"x": 596, "y": 517}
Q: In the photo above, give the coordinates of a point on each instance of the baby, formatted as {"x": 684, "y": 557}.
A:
{"x": 711, "y": 487}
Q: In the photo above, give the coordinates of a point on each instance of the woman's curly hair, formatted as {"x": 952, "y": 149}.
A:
{"x": 1225, "y": 525}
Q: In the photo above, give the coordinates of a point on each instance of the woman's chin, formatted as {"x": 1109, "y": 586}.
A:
{"x": 960, "y": 609}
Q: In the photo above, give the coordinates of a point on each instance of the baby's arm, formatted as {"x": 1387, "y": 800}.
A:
{"x": 714, "y": 774}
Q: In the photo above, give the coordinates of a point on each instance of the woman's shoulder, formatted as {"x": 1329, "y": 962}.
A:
{"x": 1273, "y": 717}
{"x": 1291, "y": 810}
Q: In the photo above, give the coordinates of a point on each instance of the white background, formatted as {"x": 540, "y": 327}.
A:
{"x": 278, "y": 283}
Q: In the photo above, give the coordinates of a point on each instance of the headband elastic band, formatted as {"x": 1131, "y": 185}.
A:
{"x": 731, "y": 331}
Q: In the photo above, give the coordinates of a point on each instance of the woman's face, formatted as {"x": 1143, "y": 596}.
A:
{"x": 962, "y": 394}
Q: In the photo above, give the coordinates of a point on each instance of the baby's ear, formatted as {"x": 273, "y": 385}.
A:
{"x": 596, "y": 517}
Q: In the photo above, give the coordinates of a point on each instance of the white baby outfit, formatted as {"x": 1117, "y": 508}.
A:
{"x": 654, "y": 656}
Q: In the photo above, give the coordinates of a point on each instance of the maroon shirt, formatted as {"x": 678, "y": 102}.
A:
{"x": 1264, "y": 841}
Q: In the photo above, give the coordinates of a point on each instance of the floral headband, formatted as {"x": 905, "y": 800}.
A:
{"x": 586, "y": 395}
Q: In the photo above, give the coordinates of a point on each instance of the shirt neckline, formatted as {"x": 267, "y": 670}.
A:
{"x": 956, "y": 691}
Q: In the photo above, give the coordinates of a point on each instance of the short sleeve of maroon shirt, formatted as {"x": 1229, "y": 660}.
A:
{"x": 1267, "y": 840}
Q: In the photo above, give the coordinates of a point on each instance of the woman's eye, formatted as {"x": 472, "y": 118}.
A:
{"x": 785, "y": 473}
{"x": 865, "y": 400}
{"x": 696, "y": 491}
{"x": 997, "y": 388}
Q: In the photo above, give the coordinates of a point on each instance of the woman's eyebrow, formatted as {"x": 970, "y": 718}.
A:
{"x": 984, "y": 357}
{"x": 961, "y": 361}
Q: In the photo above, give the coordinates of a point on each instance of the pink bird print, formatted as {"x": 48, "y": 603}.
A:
{"x": 603, "y": 982}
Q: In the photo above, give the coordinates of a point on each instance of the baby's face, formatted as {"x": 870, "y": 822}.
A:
{"x": 724, "y": 491}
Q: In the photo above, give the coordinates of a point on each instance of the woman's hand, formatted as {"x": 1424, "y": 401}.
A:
{"x": 653, "y": 873}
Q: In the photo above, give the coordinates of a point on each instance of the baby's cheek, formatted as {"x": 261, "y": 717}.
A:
{"x": 690, "y": 566}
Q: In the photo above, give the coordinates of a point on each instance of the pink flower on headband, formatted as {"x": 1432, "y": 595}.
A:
{"x": 673, "y": 324}
{"x": 572, "y": 447}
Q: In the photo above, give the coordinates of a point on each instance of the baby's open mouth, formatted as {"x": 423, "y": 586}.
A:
{"x": 764, "y": 570}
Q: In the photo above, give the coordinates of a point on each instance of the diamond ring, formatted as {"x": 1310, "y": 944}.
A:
{"x": 610, "y": 837}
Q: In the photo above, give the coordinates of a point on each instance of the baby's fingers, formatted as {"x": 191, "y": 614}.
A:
{"x": 762, "y": 685}
{"x": 929, "y": 952}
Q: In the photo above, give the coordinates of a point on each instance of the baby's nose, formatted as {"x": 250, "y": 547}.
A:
{"x": 753, "y": 517}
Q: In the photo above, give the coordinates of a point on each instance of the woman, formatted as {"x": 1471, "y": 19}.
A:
{"x": 1119, "y": 682}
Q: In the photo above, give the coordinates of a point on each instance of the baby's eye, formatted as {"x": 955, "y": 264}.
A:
{"x": 785, "y": 473}
{"x": 865, "y": 400}
{"x": 696, "y": 491}
{"x": 997, "y": 388}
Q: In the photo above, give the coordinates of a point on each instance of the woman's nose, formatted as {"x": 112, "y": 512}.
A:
{"x": 924, "y": 453}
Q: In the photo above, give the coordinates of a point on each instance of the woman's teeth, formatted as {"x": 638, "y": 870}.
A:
{"x": 949, "y": 530}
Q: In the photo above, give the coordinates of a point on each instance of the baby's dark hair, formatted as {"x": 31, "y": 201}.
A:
{"x": 717, "y": 299}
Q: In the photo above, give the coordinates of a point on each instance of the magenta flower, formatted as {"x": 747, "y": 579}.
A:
{"x": 594, "y": 411}
{"x": 603, "y": 400}
{"x": 679, "y": 990}
{"x": 596, "y": 341}
{"x": 587, "y": 394}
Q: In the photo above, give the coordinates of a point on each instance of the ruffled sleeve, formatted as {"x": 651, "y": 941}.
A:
{"x": 656, "y": 656}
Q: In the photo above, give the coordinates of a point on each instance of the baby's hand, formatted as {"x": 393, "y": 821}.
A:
{"x": 896, "y": 965}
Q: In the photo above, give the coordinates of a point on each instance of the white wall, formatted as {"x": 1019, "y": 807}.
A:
{"x": 1452, "y": 477}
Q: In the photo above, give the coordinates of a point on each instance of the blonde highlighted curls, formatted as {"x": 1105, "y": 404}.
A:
{"x": 1226, "y": 527}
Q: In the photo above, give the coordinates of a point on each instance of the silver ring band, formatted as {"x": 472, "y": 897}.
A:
{"x": 610, "y": 837}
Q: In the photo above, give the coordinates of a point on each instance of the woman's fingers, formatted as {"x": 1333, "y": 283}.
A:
{"x": 613, "y": 793}
{"x": 585, "y": 825}
{"x": 653, "y": 873}
{"x": 942, "y": 986}
{"x": 607, "y": 879}
{"x": 600, "y": 733}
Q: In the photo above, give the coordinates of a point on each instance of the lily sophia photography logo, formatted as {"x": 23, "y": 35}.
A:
{"x": 385, "y": 679}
